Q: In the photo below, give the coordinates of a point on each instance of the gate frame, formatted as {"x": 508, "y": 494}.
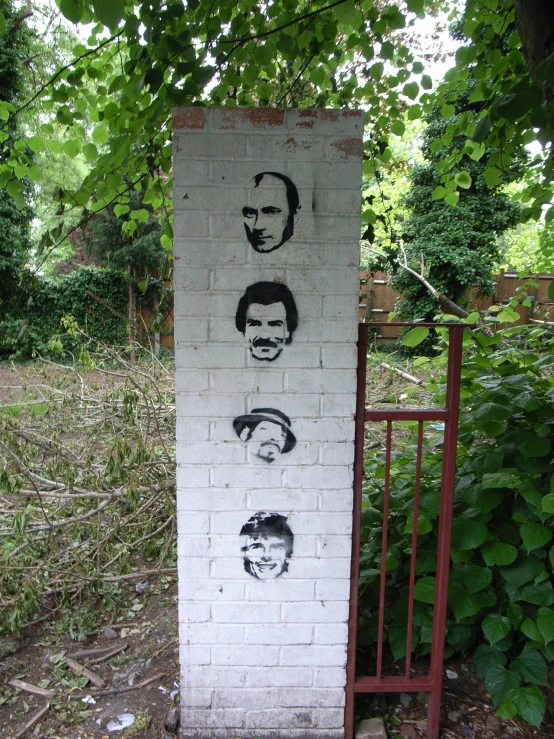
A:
{"x": 431, "y": 683}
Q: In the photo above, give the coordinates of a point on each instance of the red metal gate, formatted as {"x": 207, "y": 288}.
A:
{"x": 431, "y": 682}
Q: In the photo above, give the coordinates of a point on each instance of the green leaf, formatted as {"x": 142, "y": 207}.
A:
{"x": 36, "y": 143}
{"x": 439, "y": 192}
{"x": 495, "y": 627}
{"x": 493, "y": 177}
{"x": 463, "y": 179}
{"x": 498, "y": 553}
{"x": 530, "y": 704}
{"x": 346, "y": 13}
{"x": 264, "y": 54}
{"x": 411, "y": 90}
{"x": 524, "y": 570}
{"x": 72, "y": 10}
{"x": 120, "y": 209}
{"x": 72, "y": 148}
{"x": 398, "y": 128}
{"x": 459, "y": 636}
{"x": 531, "y": 445}
{"x": 376, "y": 70}
{"x": 545, "y": 623}
{"x": 317, "y": 75}
{"x": 499, "y": 681}
{"x": 489, "y": 411}
{"x": 109, "y": 12}
{"x": 468, "y": 534}
{"x": 531, "y": 630}
{"x": 264, "y": 90}
{"x": 547, "y": 503}
{"x": 484, "y": 657}
{"x": 34, "y": 173}
{"x": 416, "y": 6}
{"x": 100, "y": 135}
{"x": 91, "y": 152}
{"x": 2, "y": 23}
{"x": 415, "y": 336}
{"x": 452, "y": 198}
{"x": 461, "y": 602}
{"x": 477, "y": 578}
{"x": 414, "y": 112}
{"x": 482, "y": 129}
{"x": 534, "y": 535}
{"x": 507, "y": 710}
{"x": 426, "y": 82}
{"x": 551, "y": 296}
{"x": 447, "y": 111}
{"x": 539, "y": 595}
{"x": 424, "y": 590}
{"x": 506, "y": 478}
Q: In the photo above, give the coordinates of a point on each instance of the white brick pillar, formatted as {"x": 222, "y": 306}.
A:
{"x": 267, "y": 225}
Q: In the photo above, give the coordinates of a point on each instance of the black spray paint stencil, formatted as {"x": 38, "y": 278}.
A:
{"x": 267, "y": 433}
{"x": 269, "y": 214}
{"x": 267, "y": 317}
{"x": 266, "y": 545}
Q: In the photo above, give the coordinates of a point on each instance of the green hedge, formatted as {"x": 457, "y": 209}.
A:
{"x": 33, "y": 322}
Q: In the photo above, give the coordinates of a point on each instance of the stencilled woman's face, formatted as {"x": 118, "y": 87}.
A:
{"x": 265, "y": 557}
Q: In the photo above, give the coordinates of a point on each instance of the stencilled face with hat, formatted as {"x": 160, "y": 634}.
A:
{"x": 267, "y": 432}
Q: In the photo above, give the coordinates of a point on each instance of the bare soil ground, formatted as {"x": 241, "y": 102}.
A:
{"x": 35, "y": 656}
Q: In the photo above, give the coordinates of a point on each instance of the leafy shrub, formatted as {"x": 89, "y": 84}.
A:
{"x": 500, "y": 596}
{"x": 34, "y": 323}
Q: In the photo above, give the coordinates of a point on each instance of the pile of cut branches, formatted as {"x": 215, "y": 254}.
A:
{"x": 87, "y": 482}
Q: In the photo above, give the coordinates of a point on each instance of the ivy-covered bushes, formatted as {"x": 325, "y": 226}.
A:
{"x": 34, "y": 322}
{"x": 500, "y": 595}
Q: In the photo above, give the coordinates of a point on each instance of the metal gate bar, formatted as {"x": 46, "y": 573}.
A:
{"x": 431, "y": 683}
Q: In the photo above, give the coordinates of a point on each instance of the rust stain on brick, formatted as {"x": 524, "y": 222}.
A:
{"x": 293, "y": 145}
{"x": 325, "y": 114}
{"x": 257, "y": 117}
{"x": 189, "y": 118}
{"x": 349, "y": 147}
{"x": 305, "y": 124}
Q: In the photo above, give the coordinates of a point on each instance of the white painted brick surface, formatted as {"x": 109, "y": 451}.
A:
{"x": 264, "y": 658}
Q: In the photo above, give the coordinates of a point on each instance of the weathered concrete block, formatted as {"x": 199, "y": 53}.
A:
{"x": 371, "y": 728}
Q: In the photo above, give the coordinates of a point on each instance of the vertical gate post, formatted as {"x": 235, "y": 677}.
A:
{"x": 445, "y": 525}
{"x": 356, "y": 524}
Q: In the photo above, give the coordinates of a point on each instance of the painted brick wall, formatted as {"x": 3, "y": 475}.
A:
{"x": 263, "y": 634}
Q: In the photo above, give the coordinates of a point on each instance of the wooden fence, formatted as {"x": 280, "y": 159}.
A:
{"x": 377, "y": 300}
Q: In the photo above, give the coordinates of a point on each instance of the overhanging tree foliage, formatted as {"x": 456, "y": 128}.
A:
{"x": 115, "y": 97}
{"x": 14, "y": 216}
{"x": 456, "y": 246}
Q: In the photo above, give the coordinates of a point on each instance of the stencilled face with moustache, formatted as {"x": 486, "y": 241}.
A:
{"x": 267, "y": 317}
{"x": 266, "y": 330}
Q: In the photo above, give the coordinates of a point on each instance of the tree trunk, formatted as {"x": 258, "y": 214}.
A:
{"x": 133, "y": 355}
{"x": 535, "y": 25}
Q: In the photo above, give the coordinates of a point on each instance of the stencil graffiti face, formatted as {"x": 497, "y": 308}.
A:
{"x": 267, "y": 440}
{"x": 267, "y": 317}
{"x": 267, "y": 432}
{"x": 266, "y": 330}
{"x": 265, "y": 558}
{"x": 267, "y": 545}
{"x": 271, "y": 204}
